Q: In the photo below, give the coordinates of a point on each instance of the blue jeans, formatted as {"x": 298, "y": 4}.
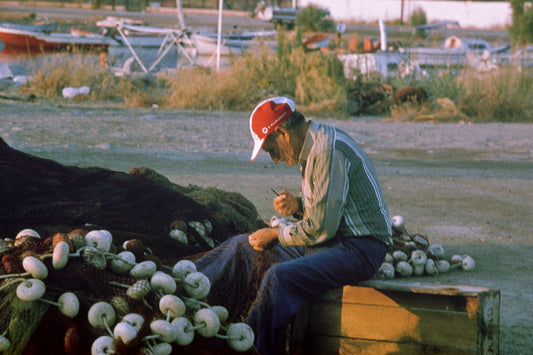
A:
{"x": 293, "y": 277}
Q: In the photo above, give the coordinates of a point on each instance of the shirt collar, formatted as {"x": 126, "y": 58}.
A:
{"x": 308, "y": 143}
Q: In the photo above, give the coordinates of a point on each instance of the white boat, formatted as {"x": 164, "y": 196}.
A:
{"x": 518, "y": 57}
{"x": 128, "y": 31}
{"x": 234, "y": 43}
{"x": 453, "y": 53}
{"x": 44, "y": 27}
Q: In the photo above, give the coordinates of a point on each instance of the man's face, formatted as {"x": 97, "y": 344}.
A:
{"x": 277, "y": 144}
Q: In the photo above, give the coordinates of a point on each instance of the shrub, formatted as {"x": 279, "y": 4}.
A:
{"x": 314, "y": 19}
{"x": 521, "y": 30}
{"x": 418, "y": 17}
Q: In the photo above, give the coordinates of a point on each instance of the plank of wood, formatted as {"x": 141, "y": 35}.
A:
{"x": 325, "y": 345}
{"x": 418, "y": 287}
{"x": 395, "y": 324}
{"x": 401, "y": 317}
{"x": 371, "y": 296}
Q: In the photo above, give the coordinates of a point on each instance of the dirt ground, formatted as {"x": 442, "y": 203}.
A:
{"x": 466, "y": 186}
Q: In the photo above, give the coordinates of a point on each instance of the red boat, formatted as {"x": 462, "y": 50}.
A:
{"x": 318, "y": 41}
{"x": 35, "y": 39}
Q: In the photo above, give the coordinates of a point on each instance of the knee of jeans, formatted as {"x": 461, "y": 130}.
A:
{"x": 242, "y": 237}
{"x": 238, "y": 242}
{"x": 273, "y": 273}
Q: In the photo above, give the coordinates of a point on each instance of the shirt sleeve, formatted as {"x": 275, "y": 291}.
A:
{"x": 299, "y": 214}
{"x": 324, "y": 185}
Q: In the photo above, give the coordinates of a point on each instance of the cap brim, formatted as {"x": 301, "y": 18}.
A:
{"x": 257, "y": 148}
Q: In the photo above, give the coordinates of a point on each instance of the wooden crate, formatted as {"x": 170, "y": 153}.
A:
{"x": 397, "y": 317}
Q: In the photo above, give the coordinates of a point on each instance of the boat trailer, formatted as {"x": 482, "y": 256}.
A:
{"x": 172, "y": 37}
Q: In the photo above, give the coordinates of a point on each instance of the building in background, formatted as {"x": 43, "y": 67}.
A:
{"x": 476, "y": 14}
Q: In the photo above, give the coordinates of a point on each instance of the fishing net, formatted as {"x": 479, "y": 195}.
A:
{"x": 154, "y": 219}
{"x": 240, "y": 272}
{"x": 36, "y": 327}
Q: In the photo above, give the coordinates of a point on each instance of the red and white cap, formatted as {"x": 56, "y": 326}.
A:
{"x": 266, "y": 117}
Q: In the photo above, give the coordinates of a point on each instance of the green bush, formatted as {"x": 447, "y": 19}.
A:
{"x": 521, "y": 30}
{"x": 418, "y": 17}
{"x": 314, "y": 19}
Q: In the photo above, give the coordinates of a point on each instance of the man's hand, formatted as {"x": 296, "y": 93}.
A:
{"x": 286, "y": 204}
{"x": 263, "y": 239}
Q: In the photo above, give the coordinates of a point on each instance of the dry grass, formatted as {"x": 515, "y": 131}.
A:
{"x": 202, "y": 88}
{"x": 505, "y": 95}
{"x": 315, "y": 80}
{"x": 441, "y": 110}
{"x": 75, "y": 70}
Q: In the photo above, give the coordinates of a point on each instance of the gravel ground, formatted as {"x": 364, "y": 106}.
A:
{"x": 467, "y": 186}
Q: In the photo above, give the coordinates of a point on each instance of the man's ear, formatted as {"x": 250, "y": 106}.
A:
{"x": 282, "y": 132}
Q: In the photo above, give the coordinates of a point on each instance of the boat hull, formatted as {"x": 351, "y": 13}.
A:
{"x": 149, "y": 41}
{"x": 454, "y": 53}
{"x": 436, "y": 58}
{"x": 26, "y": 42}
{"x": 318, "y": 41}
{"x": 206, "y": 44}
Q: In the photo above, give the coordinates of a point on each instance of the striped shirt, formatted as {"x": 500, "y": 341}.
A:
{"x": 341, "y": 193}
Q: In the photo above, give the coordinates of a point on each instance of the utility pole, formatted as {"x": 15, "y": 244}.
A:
{"x": 401, "y": 14}
{"x": 181, "y": 20}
